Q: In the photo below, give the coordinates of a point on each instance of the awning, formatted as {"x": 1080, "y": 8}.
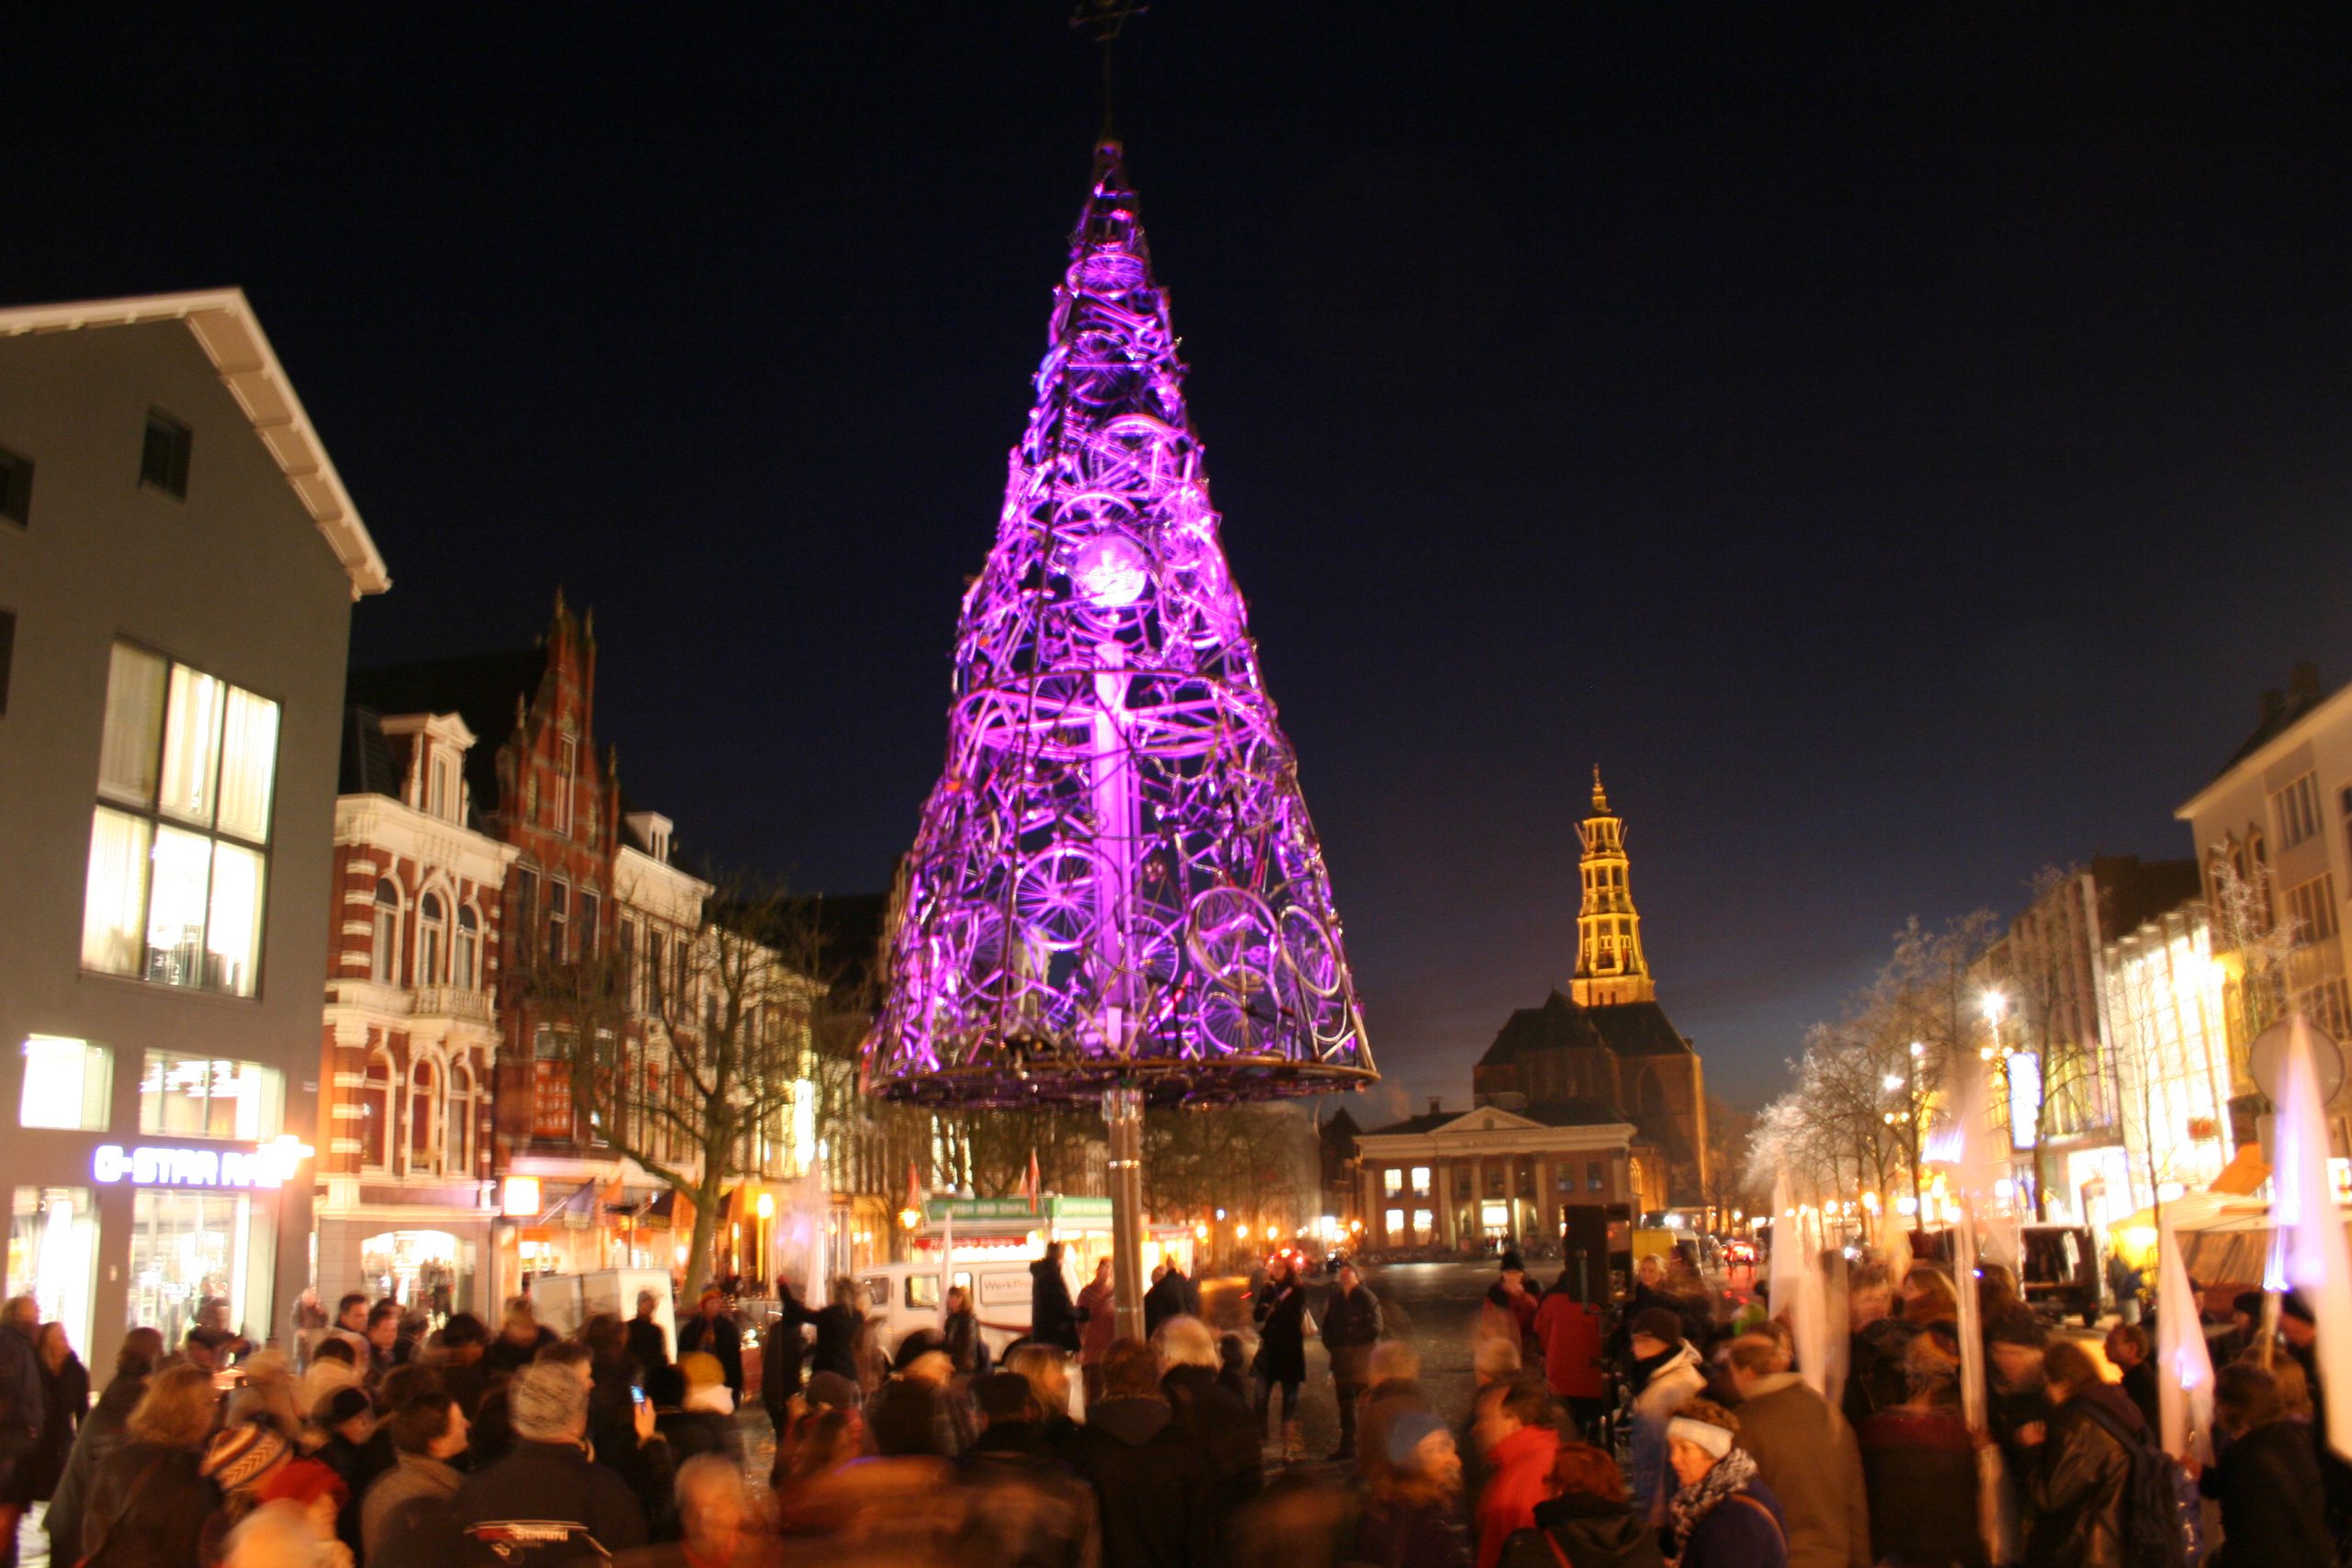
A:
{"x": 566, "y": 1206}
{"x": 2244, "y": 1175}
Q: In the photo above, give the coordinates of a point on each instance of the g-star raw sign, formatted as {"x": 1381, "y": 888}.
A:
{"x": 150, "y": 1166}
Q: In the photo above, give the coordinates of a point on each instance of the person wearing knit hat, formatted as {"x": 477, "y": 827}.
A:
{"x": 240, "y": 1457}
{"x": 548, "y": 1405}
{"x": 1722, "y": 1515}
{"x": 544, "y": 1501}
{"x": 1666, "y": 1372}
{"x": 1413, "y": 1475}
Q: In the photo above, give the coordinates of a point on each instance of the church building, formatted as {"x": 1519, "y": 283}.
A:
{"x": 1591, "y": 1101}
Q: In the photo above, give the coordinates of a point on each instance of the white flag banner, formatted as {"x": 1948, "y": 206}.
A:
{"x": 2307, "y": 1246}
{"x": 2184, "y": 1365}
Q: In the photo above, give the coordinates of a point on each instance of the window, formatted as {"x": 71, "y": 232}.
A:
{"x": 2311, "y": 906}
{"x": 1392, "y": 1223}
{"x": 1421, "y": 1181}
{"x": 1494, "y": 1183}
{"x": 1596, "y": 1177}
{"x": 53, "y": 1253}
{"x": 67, "y": 1084}
{"x": 457, "y": 1142}
{"x": 558, "y": 918}
{"x": 467, "y": 965}
{"x": 437, "y": 798}
{"x": 627, "y": 953}
{"x": 2329, "y": 1003}
{"x": 1391, "y": 1180}
{"x": 201, "y": 1097}
{"x": 656, "y": 955}
{"x": 567, "y": 767}
{"x": 162, "y": 456}
{"x": 432, "y": 940}
{"x": 185, "y": 1246}
{"x": 2296, "y": 810}
{"x": 423, "y": 1117}
{"x": 179, "y": 847}
{"x": 590, "y": 911}
{"x": 385, "y": 965}
{"x": 1424, "y": 1228}
{"x": 376, "y": 1113}
{"x": 522, "y": 937}
{"x": 15, "y": 488}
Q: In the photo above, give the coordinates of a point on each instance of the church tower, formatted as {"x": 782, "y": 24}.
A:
{"x": 1611, "y": 969}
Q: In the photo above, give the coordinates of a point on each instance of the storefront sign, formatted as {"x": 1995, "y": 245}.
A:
{"x": 150, "y": 1166}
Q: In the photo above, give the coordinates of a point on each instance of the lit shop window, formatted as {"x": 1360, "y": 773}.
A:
{"x": 203, "y": 1097}
{"x": 67, "y": 1084}
{"x": 179, "y": 841}
{"x": 187, "y": 1248}
{"x": 53, "y": 1254}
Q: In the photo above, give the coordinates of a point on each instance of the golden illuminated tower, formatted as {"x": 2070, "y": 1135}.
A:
{"x": 1611, "y": 969}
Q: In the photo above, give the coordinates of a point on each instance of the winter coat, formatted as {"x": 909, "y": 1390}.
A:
{"x": 1351, "y": 1328}
{"x": 647, "y": 1346}
{"x": 65, "y": 1399}
{"x": 23, "y": 1405}
{"x": 1518, "y": 1476}
{"x": 415, "y": 1477}
{"x": 1171, "y": 1295}
{"x": 505, "y": 1355}
{"x": 1420, "y": 1533}
{"x": 909, "y": 1416}
{"x": 1521, "y": 1310}
{"x": 1151, "y": 1481}
{"x": 836, "y": 1349}
{"x": 1569, "y": 1332}
{"x": 1919, "y": 1474}
{"x": 1806, "y": 1453}
{"x": 2267, "y": 1483}
{"x": 1673, "y": 1378}
{"x": 1053, "y": 1320}
{"x": 1098, "y": 1323}
{"x": 1228, "y": 1434}
{"x": 1025, "y": 1507}
{"x": 1874, "y": 1369}
{"x": 1281, "y": 1313}
{"x": 692, "y": 1432}
{"x": 101, "y": 1434}
{"x": 1589, "y": 1532}
{"x": 965, "y": 1344}
{"x": 2082, "y": 1486}
{"x": 545, "y": 1504}
{"x": 147, "y": 1508}
{"x": 1740, "y": 1534}
{"x": 716, "y": 1336}
{"x": 782, "y": 1349}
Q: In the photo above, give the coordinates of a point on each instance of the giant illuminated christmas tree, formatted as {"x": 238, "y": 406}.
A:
{"x": 1115, "y": 890}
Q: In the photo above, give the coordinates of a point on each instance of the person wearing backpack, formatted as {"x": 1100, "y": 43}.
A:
{"x": 2102, "y": 1495}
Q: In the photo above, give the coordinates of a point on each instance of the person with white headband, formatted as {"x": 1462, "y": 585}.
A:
{"x": 1723, "y": 1516}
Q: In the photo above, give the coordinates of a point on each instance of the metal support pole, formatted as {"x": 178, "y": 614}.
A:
{"x": 1123, "y": 1114}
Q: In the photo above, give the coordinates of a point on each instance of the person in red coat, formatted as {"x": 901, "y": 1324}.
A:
{"x": 1516, "y": 1427}
{"x": 1569, "y": 1332}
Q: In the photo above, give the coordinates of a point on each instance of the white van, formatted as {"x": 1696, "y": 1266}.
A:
{"x": 904, "y": 1297}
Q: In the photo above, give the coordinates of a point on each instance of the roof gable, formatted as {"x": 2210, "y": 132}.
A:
{"x": 224, "y": 325}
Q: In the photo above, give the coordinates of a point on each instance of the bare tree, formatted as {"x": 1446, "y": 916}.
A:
{"x": 692, "y": 1058}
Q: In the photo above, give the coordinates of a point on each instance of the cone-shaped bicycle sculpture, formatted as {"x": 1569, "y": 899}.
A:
{"x": 1115, "y": 893}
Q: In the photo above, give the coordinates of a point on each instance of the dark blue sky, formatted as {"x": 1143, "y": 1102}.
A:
{"x": 1896, "y": 443}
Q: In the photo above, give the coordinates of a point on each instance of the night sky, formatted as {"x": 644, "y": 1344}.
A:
{"x": 1896, "y": 443}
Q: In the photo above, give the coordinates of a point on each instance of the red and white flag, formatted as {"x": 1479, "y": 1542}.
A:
{"x": 1030, "y": 1187}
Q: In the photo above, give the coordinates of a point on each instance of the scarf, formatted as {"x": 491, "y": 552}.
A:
{"x": 1692, "y": 1504}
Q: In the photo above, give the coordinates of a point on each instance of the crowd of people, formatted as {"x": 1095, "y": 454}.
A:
{"x": 1635, "y": 1433}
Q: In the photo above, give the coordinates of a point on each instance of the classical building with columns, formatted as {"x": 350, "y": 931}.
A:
{"x": 1455, "y": 1180}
